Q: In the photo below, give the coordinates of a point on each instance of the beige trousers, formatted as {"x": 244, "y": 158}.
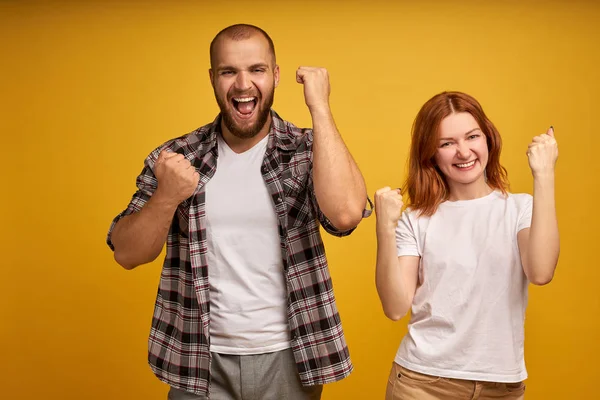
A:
{"x": 404, "y": 384}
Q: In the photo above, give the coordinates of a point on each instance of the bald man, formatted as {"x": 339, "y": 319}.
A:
{"x": 245, "y": 307}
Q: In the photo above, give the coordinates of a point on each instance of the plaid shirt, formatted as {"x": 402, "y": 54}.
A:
{"x": 178, "y": 348}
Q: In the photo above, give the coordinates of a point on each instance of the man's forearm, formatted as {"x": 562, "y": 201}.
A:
{"x": 139, "y": 238}
{"x": 339, "y": 185}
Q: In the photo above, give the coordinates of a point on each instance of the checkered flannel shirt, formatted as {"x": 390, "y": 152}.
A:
{"x": 178, "y": 348}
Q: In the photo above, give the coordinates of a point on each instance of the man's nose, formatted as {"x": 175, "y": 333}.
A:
{"x": 242, "y": 81}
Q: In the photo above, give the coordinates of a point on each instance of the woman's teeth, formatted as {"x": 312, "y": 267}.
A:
{"x": 466, "y": 165}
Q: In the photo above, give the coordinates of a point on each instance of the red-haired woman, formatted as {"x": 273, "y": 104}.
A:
{"x": 462, "y": 255}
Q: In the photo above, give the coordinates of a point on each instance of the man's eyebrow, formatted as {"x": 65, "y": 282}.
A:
{"x": 259, "y": 65}
{"x": 227, "y": 67}
{"x": 232, "y": 68}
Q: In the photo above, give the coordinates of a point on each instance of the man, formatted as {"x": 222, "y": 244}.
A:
{"x": 245, "y": 307}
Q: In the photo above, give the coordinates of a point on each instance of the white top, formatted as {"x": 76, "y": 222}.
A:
{"x": 468, "y": 312}
{"x": 248, "y": 297}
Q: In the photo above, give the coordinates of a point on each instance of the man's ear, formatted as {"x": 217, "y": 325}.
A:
{"x": 211, "y": 76}
{"x": 276, "y": 75}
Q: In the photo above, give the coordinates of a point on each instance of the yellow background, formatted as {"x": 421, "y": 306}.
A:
{"x": 88, "y": 89}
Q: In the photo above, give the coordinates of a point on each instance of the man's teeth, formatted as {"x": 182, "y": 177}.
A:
{"x": 243, "y": 99}
{"x": 466, "y": 165}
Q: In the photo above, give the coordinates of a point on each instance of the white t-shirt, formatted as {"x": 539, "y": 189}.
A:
{"x": 468, "y": 312}
{"x": 248, "y": 306}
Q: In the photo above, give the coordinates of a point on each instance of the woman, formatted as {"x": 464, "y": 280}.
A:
{"x": 462, "y": 255}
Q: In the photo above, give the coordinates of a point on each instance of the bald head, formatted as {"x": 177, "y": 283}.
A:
{"x": 239, "y": 32}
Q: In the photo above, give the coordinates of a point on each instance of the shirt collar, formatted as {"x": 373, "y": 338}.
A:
{"x": 282, "y": 135}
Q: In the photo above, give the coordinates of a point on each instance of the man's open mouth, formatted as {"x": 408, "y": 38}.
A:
{"x": 245, "y": 105}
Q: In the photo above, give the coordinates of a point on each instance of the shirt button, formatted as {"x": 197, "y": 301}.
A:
{"x": 279, "y": 200}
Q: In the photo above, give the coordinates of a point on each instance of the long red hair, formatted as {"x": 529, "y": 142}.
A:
{"x": 425, "y": 185}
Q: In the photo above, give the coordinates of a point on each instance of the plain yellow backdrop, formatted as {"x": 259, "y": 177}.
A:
{"x": 88, "y": 89}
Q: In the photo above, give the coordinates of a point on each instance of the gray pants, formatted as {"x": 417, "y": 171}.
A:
{"x": 270, "y": 376}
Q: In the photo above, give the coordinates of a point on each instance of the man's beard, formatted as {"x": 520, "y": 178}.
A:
{"x": 249, "y": 131}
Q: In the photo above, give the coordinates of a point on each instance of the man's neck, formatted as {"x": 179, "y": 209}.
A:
{"x": 240, "y": 145}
